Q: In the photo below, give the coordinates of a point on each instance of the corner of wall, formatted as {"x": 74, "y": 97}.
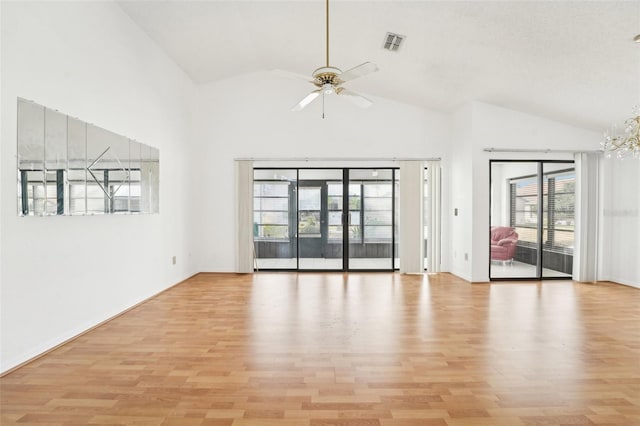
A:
{"x": 460, "y": 211}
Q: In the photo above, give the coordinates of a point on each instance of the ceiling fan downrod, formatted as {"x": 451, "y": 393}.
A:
{"x": 327, "y": 29}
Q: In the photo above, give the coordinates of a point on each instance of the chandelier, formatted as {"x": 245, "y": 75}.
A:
{"x": 626, "y": 144}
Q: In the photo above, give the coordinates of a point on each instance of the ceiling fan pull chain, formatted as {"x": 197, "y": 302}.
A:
{"x": 323, "y": 105}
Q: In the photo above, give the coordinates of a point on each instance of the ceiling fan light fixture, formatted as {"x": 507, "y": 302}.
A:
{"x": 328, "y": 88}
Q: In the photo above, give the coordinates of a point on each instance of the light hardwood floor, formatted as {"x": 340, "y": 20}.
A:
{"x": 349, "y": 350}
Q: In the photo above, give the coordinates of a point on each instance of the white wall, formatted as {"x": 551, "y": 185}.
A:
{"x": 495, "y": 127}
{"x": 249, "y": 116}
{"x": 62, "y": 275}
{"x": 619, "y": 252}
{"x": 461, "y": 190}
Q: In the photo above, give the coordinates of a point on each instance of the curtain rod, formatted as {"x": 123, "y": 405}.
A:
{"x": 545, "y": 151}
{"x": 335, "y": 159}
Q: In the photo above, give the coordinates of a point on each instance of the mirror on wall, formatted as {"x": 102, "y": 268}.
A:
{"x": 69, "y": 167}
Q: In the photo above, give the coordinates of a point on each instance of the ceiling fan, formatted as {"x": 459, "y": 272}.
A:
{"x": 328, "y": 79}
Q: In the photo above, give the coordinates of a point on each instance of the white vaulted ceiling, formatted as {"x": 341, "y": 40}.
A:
{"x": 571, "y": 61}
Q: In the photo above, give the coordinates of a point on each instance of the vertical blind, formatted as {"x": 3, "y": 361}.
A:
{"x": 585, "y": 259}
{"x": 244, "y": 216}
{"x": 411, "y": 217}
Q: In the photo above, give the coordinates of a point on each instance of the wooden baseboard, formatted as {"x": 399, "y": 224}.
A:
{"x": 618, "y": 283}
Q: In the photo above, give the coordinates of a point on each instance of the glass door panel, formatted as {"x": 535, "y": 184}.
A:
{"x": 371, "y": 219}
{"x": 320, "y": 240}
{"x": 558, "y": 219}
{"x": 514, "y": 229}
{"x": 274, "y": 210}
{"x": 334, "y": 211}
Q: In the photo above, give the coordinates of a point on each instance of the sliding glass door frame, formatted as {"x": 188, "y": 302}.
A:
{"x": 540, "y": 219}
{"x": 345, "y": 218}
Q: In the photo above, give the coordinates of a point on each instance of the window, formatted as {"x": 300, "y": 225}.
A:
{"x": 41, "y": 196}
{"x": 334, "y": 210}
{"x": 77, "y": 191}
{"x": 81, "y": 195}
{"x": 558, "y": 210}
{"x": 95, "y": 193}
{"x": 378, "y": 210}
{"x": 524, "y": 209}
{"x": 309, "y": 209}
{"x": 134, "y": 191}
{"x": 334, "y": 207}
{"x": 271, "y": 210}
{"x": 38, "y": 196}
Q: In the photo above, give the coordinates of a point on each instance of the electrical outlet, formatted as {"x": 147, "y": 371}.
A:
{"x": 173, "y": 260}
{"x": 466, "y": 256}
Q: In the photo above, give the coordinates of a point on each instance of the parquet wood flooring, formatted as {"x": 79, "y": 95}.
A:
{"x": 347, "y": 350}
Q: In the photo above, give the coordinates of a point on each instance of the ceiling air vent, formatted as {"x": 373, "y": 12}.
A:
{"x": 392, "y": 41}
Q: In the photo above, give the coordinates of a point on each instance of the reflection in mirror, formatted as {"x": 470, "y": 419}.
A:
{"x": 30, "y": 158}
{"x": 77, "y": 162}
{"x": 107, "y": 169}
{"x": 149, "y": 168}
{"x": 66, "y": 166}
{"x": 55, "y": 140}
{"x": 135, "y": 149}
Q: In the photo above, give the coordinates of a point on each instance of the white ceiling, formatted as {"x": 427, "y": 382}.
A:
{"x": 572, "y": 61}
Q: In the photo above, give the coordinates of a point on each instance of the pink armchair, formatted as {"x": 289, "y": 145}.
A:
{"x": 504, "y": 240}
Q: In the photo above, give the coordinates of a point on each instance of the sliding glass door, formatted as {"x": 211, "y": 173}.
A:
{"x": 532, "y": 219}
{"x": 370, "y": 219}
{"x": 325, "y": 219}
{"x": 320, "y": 240}
{"x": 558, "y": 219}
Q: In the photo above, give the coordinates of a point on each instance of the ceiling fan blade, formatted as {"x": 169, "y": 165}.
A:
{"x": 356, "y": 98}
{"x": 292, "y": 75}
{"x": 359, "y": 71}
{"x": 307, "y": 100}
